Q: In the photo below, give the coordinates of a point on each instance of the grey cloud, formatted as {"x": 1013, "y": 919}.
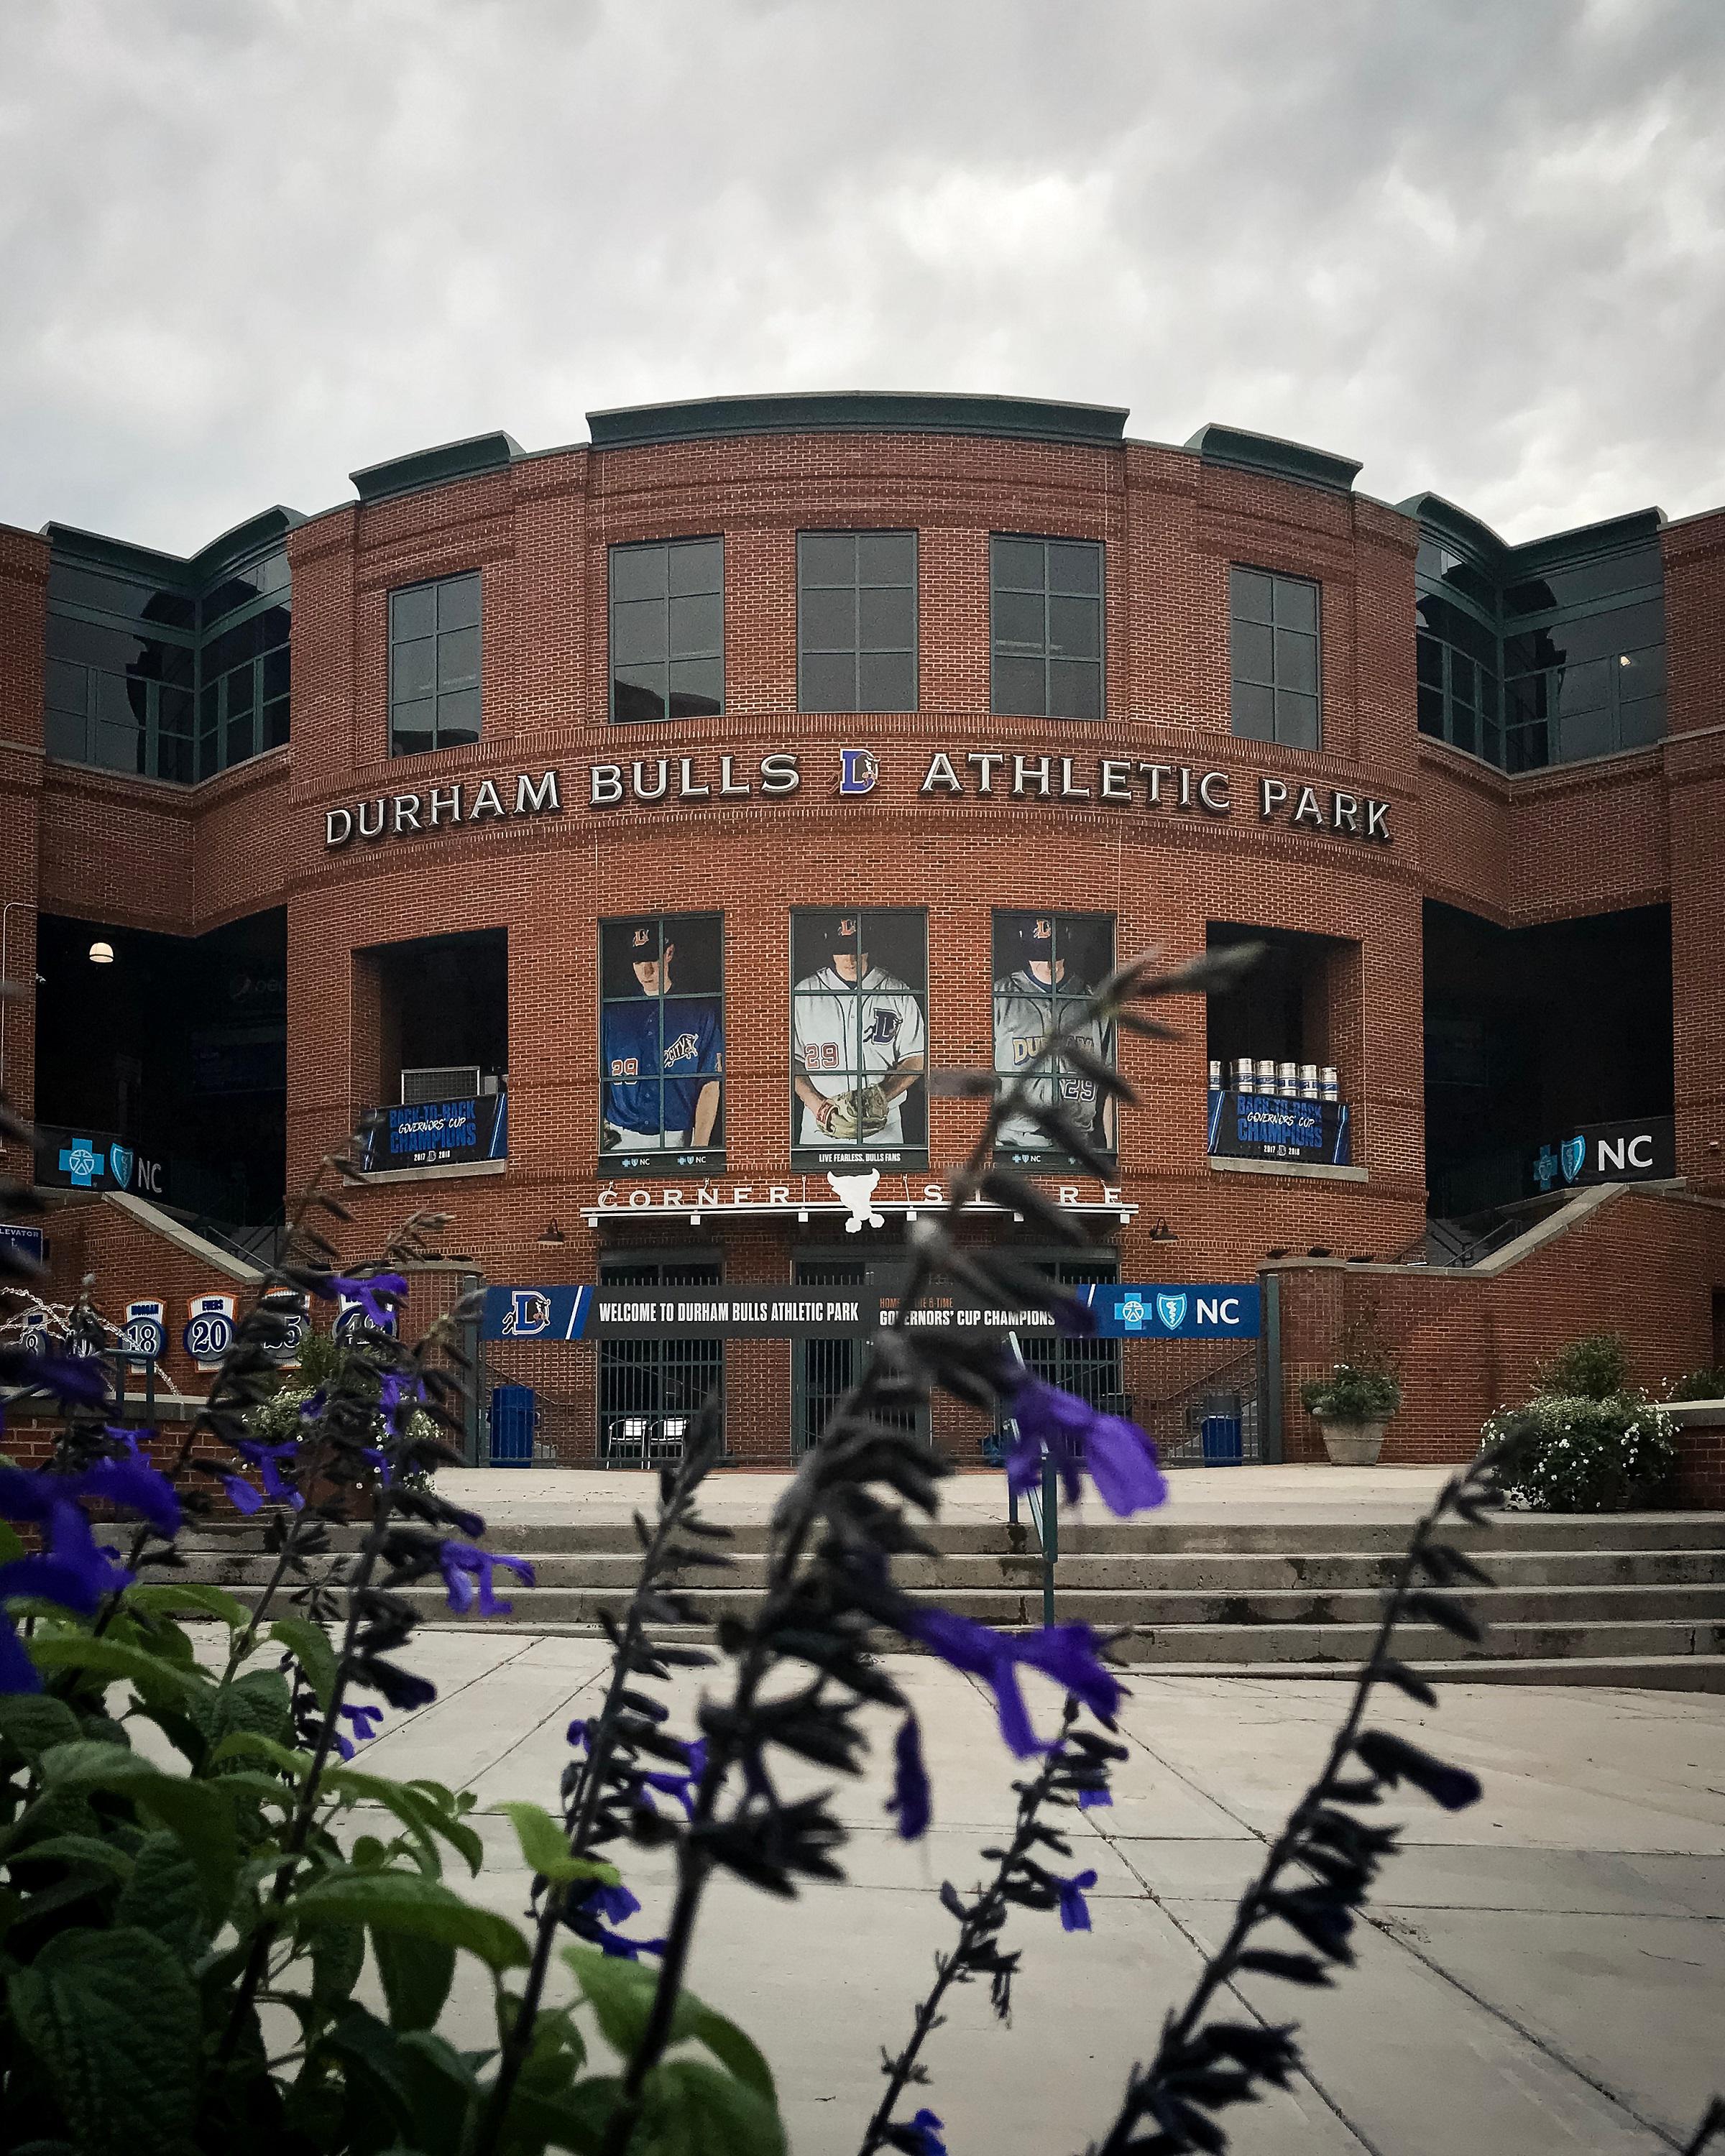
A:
{"x": 1476, "y": 245}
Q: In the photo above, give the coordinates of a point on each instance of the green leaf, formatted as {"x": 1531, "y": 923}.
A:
{"x": 250, "y": 1744}
{"x": 162, "y": 1598}
{"x": 415, "y": 1809}
{"x": 417, "y": 1975}
{"x": 310, "y": 1646}
{"x": 113, "y": 2018}
{"x": 419, "y": 2082}
{"x": 258, "y": 1702}
{"x": 165, "y": 1896}
{"x": 338, "y": 1955}
{"x": 112, "y": 1659}
{"x": 406, "y": 1901}
{"x": 75, "y": 1849}
{"x": 546, "y": 1850}
{"x": 10, "y": 1545}
{"x": 690, "y": 2109}
{"x": 196, "y": 1811}
{"x": 33, "y": 1723}
{"x": 575, "y": 2119}
{"x": 621, "y": 1994}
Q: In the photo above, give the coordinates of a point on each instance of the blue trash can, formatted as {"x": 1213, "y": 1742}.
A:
{"x": 1222, "y": 1447}
{"x": 514, "y": 1417}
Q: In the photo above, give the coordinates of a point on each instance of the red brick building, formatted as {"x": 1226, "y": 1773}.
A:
{"x": 529, "y": 786}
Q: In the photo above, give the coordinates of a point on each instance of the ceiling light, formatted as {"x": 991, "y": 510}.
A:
{"x": 101, "y": 954}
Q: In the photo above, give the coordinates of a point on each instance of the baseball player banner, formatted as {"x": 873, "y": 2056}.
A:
{"x": 662, "y": 1043}
{"x": 1046, "y": 966}
{"x": 858, "y": 1038}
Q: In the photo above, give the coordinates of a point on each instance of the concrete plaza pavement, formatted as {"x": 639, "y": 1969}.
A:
{"x": 1293, "y": 1494}
{"x": 1543, "y": 1973}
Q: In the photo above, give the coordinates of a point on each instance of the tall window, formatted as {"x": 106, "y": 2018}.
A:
{"x": 1045, "y": 628}
{"x": 1584, "y": 659}
{"x": 858, "y": 1038}
{"x": 1046, "y": 967}
{"x": 856, "y": 621}
{"x": 661, "y": 1042}
{"x": 668, "y": 629}
{"x": 118, "y": 699}
{"x": 243, "y": 699}
{"x": 434, "y": 665}
{"x": 1273, "y": 653}
{"x": 1456, "y": 659}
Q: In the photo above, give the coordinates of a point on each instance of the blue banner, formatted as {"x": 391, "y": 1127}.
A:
{"x": 1279, "y": 1127}
{"x": 424, "y": 1133}
{"x": 1209, "y": 1310}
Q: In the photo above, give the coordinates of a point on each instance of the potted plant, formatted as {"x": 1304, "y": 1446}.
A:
{"x": 1351, "y": 1407}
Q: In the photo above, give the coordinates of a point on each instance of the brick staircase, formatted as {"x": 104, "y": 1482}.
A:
{"x": 1636, "y": 1599}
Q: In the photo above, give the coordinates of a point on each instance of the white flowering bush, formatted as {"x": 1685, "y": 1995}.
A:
{"x": 1575, "y": 1455}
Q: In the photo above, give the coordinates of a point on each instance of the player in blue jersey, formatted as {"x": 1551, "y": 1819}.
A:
{"x": 662, "y": 1055}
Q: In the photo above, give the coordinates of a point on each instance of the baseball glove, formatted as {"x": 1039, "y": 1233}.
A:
{"x": 858, "y": 1114}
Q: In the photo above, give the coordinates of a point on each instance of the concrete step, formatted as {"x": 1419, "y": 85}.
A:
{"x": 1179, "y": 1622}
{"x": 1623, "y": 1672}
{"x": 1514, "y": 1533}
{"x": 1316, "y": 1573}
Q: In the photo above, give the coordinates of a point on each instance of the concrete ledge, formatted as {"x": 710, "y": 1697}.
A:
{"x": 1315, "y": 1171}
{"x": 182, "y": 1237}
{"x": 448, "y": 1171}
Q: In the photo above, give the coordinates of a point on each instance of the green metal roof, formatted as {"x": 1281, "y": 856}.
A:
{"x": 436, "y": 467}
{"x": 857, "y": 412}
{"x": 1274, "y": 458}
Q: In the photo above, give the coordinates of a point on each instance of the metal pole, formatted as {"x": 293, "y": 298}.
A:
{"x": 1051, "y": 1533}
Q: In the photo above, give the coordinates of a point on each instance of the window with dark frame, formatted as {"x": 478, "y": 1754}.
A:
{"x": 661, "y": 1042}
{"x": 856, "y": 621}
{"x": 859, "y": 1037}
{"x": 1045, "y": 628}
{"x": 1274, "y": 658}
{"x": 161, "y": 683}
{"x": 1046, "y": 967}
{"x": 668, "y": 629}
{"x": 434, "y": 665}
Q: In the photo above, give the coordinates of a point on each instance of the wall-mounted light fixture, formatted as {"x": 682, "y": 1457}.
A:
{"x": 1161, "y": 1232}
{"x": 550, "y": 1233}
{"x": 101, "y": 954}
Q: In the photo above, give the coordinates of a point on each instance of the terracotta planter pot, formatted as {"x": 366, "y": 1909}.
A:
{"x": 1352, "y": 1444}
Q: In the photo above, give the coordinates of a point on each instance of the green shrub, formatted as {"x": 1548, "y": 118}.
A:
{"x": 1579, "y": 1455}
{"x": 1352, "y": 1393}
{"x": 1700, "y": 1385}
{"x": 1594, "y": 1368}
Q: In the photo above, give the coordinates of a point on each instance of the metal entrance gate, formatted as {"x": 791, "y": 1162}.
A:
{"x": 651, "y": 1390}
{"x": 825, "y": 1369}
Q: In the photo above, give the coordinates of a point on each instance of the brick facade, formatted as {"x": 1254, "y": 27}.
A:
{"x": 1631, "y": 830}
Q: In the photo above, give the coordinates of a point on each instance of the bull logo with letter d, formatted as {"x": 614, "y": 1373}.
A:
{"x": 528, "y": 1312}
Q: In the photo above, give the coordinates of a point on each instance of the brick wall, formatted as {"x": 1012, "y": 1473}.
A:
{"x": 1619, "y": 834}
{"x": 1644, "y": 1264}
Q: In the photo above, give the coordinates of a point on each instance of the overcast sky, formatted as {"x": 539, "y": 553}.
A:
{"x": 247, "y": 246}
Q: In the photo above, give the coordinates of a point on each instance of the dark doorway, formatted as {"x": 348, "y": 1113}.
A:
{"x": 1532, "y": 1033}
{"x": 178, "y": 1047}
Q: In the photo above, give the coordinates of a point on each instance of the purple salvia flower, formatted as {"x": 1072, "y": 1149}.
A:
{"x": 75, "y": 1380}
{"x": 920, "y": 2137}
{"x": 1090, "y": 1800}
{"x": 459, "y": 1560}
{"x": 241, "y": 1496}
{"x": 1074, "y": 1910}
{"x": 1118, "y": 1457}
{"x": 911, "y": 1797}
{"x": 369, "y": 1294}
{"x": 598, "y": 1908}
{"x": 1067, "y": 1653}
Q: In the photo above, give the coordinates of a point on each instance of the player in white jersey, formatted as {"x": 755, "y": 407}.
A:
{"x": 1033, "y": 1002}
{"x": 853, "y": 1027}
